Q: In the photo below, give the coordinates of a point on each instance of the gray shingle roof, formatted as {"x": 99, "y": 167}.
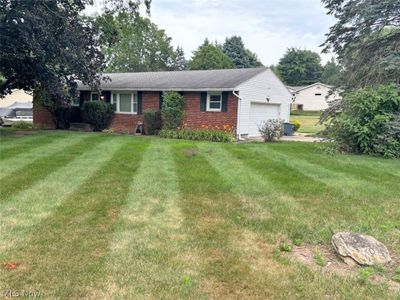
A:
{"x": 178, "y": 80}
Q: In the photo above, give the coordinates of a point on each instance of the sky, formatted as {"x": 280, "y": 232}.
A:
{"x": 268, "y": 27}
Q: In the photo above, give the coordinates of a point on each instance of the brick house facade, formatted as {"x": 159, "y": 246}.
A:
{"x": 238, "y": 100}
{"x": 194, "y": 117}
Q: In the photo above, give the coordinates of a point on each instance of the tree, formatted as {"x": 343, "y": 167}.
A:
{"x": 366, "y": 39}
{"x": 46, "y": 46}
{"x": 234, "y": 48}
{"x": 208, "y": 57}
{"x": 368, "y": 121}
{"x": 300, "y": 67}
{"x": 331, "y": 73}
{"x": 253, "y": 59}
{"x": 180, "y": 62}
{"x": 132, "y": 43}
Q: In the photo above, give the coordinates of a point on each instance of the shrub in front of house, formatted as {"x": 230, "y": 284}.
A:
{"x": 366, "y": 121}
{"x": 271, "y": 130}
{"x": 98, "y": 114}
{"x": 21, "y": 125}
{"x": 210, "y": 135}
{"x": 152, "y": 121}
{"x": 172, "y": 111}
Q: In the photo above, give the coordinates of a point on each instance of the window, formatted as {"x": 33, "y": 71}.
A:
{"x": 214, "y": 102}
{"x": 94, "y": 96}
{"x": 318, "y": 94}
{"x": 75, "y": 101}
{"x": 126, "y": 103}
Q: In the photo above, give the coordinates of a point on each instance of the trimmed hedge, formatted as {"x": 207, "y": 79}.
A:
{"x": 198, "y": 135}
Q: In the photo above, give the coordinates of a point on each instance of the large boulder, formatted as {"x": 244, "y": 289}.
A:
{"x": 363, "y": 249}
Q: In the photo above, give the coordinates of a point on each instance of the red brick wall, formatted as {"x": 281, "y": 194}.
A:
{"x": 126, "y": 123}
{"x": 194, "y": 118}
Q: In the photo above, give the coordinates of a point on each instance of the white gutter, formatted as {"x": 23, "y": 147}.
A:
{"x": 238, "y": 116}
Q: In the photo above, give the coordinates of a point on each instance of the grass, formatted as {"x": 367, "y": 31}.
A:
{"x": 309, "y": 122}
{"x": 88, "y": 215}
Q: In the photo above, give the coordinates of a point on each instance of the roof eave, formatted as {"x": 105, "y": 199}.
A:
{"x": 161, "y": 89}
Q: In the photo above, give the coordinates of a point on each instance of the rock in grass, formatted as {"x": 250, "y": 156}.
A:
{"x": 363, "y": 249}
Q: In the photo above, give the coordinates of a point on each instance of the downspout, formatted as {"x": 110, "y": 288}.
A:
{"x": 238, "y": 116}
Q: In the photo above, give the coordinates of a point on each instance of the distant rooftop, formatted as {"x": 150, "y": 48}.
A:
{"x": 227, "y": 79}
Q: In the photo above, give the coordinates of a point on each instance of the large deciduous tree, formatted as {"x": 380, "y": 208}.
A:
{"x": 300, "y": 67}
{"x": 47, "y": 45}
{"x": 209, "y": 56}
{"x": 234, "y": 48}
{"x": 366, "y": 39}
{"x": 132, "y": 43}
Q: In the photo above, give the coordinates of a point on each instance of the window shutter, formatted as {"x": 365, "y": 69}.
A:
{"x": 139, "y": 101}
{"x": 224, "y": 106}
{"x": 203, "y": 101}
{"x": 161, "y": 99}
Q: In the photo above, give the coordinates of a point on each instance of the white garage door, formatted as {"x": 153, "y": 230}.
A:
{"x": 260, "y": 112}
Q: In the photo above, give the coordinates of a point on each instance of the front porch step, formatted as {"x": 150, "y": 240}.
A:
{"x": 80, "y": 127}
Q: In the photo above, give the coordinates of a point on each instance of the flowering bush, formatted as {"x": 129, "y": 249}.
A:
{"x": 297, "y": 124}
{"x": 271, "y": 129}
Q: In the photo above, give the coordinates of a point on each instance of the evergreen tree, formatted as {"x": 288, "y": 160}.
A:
{"x": 234, "y": 48}
{"x": 180, "y": 62}
{"x": 366, "y": 39}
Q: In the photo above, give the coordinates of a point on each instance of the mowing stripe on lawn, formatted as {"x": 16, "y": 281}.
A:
{"x": 341, "y": 167}
{"x": 212, "y": 214}
{"x": 64, "y": 258}
{"x": 333, "y": 175}
{"x": 264, "y": 205}
{"x": 21, "y": 160}
{"x": 26, "y": 144}
{"x": 42, "y": 167}
{"x": 27, "y": 208}
{"x": 145, "y": 248}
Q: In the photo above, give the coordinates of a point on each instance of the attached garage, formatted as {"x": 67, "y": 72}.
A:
{"x": 260, "y": 112}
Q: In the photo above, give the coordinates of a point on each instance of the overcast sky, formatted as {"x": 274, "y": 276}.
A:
{"x": 268, "y": 27}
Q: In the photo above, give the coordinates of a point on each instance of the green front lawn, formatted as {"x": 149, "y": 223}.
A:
{"x": 86, "y": 215}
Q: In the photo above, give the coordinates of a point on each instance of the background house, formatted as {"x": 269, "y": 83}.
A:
{"x": 17, "y": 100}
{"x": 312, "y": 97}
{"x": 239, "y": 98}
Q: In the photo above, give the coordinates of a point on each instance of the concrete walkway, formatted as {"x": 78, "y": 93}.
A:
{"x": 297, "y": 137}
{"x": 302, "y": 137}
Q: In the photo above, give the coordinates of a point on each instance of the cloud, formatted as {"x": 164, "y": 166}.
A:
{"x": 267, "y": 27}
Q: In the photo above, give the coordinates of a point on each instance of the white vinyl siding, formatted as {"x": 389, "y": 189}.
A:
{"x": 313, "y": 98}
{"x": 262, "y": 88}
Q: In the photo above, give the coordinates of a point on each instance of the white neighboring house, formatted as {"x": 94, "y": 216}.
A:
{"x": 312, "y": 97}
{"x": 15, "y": 96}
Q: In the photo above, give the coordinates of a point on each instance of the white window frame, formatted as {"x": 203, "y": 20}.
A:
{"x": 134, "y": 99}
{"x": 94, "y": 93}
{"x": 209, "y": 94}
